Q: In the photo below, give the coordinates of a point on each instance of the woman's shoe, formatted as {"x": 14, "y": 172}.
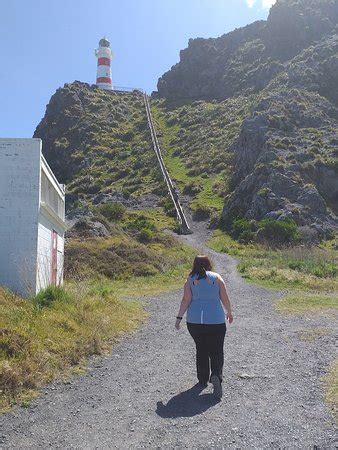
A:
{"x": 216, "y": 382}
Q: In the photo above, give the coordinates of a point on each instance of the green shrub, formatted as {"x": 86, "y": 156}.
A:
{"x": 279, "y": 231}
{"x": 51, "y": 294}
{"x": 264, "y": 192}
{"x": 141, "y": 222}
{"x": 169, "y": 208}
{"x": 145, "y": 235}
{"x": 242, "y": 229}
{"x": 191, "y": 188}
{"x": 112, "y": 211}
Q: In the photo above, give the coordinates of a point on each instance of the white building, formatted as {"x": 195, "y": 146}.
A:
{"x": 32, "y": 218}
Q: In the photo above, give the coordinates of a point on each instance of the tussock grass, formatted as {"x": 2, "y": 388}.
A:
{"x": 41, "y": 343}
{"x": 122, "y": 257}
{"x": 308, "y": 273}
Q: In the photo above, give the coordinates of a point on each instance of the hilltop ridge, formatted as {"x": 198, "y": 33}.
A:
{"x": 270, "y": 88}
{"x": 247, "y": 59}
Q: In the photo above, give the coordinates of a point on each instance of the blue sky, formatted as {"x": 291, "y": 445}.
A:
{"x": 46, "y": 43}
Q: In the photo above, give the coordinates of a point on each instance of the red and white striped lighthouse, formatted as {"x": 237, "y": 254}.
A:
{"x": 104, "y": 56}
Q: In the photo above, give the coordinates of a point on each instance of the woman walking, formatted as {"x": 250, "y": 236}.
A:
{"x": 204, "y": 297}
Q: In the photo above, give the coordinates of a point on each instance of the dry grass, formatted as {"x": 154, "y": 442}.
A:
{"x": 331, "y": 387}
{"x": 309, "y": 274}
{"x": 125, "y": 253}
{"x": 40, "y": 344}
{"x": 302, "y": 302}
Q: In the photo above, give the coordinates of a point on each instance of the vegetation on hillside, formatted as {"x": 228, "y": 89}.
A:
{"x": 245, "y": 60}
{"x": 250, "y": 118}
{"x": 309, "y": 274}
{"x": 134, "y": 244}
{"x": 196, "y": 139}
{"x": 98, "y": 141}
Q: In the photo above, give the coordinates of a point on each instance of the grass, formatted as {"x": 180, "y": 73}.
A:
{"x": 145, "y": 286}
{"x": 172, "y": 143}
{"x": 331, "y": 387}
{"x": 299, "y": 303}
{"x": 153, "y": 215}
{"x": 40, "y": 344}
{"x": 309, "y": 274}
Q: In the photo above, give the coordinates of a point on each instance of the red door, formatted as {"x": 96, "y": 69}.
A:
{"x": 54, "y": 268}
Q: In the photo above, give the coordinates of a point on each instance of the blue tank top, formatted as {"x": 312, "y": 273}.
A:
{"x": 205, "y": 306}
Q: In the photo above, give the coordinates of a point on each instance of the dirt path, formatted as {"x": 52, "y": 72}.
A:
{"x": 142, "y": 396}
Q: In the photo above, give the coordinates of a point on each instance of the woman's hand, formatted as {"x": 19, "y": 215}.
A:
{"x": 178, "y": 324}
{"x": 230, "y": 317}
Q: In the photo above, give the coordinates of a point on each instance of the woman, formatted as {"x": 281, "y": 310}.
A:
{"x": 203, "y": 297}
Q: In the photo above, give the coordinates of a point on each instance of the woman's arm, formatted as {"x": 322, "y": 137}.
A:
{"x": 225, "y": 298}
{"x": 186, "y": 299}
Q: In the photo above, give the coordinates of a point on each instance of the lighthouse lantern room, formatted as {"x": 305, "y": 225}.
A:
{"x": 104, "y": 56}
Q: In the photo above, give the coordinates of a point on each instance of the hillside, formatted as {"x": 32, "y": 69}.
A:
{"x": 252, "y": 117}
{"x": 99, "y": 142}
{"x": 247, "y": 59}
{"x": 247, "y": 124}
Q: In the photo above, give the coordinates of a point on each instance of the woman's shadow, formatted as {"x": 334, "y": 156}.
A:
{"x": 187, "y": 404}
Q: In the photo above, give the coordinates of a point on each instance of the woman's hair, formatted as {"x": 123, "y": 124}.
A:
{"x": 200, "y": 266}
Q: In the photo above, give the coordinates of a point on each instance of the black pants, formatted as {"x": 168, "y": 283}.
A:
{"x": 209, "y": 340}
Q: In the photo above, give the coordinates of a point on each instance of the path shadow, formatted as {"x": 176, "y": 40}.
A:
{"x": 186, "y": 404}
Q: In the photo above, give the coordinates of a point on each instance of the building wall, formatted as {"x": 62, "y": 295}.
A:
{"x": 51, "y": 219}
{"x": 44, "y": 266}
{"x": 19, "y": 211}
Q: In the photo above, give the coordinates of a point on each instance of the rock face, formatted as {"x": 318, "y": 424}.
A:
{"x": 287, "y": 145}
{"x": 285, "y": 156}
{"x": 247, "y": 59}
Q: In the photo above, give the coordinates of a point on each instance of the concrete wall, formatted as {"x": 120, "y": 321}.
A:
{"x": 19, "y": 211}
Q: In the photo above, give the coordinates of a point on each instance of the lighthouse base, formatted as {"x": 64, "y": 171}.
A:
{"x": 105, "y": 86}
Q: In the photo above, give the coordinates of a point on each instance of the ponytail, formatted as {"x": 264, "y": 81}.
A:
{"x": 202, "y": 273}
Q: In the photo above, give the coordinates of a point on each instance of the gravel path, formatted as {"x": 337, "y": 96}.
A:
{"x": 142, "y": 396}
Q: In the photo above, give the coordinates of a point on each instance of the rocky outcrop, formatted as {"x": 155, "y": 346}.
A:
{"x": 76, "y": 117}
{"x": 281, "y": 156}
{"x": 98, "y": 143}
{"x": 247, "y": 59}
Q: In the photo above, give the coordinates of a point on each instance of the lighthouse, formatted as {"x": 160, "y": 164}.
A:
{"x": 104, "y": 56}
